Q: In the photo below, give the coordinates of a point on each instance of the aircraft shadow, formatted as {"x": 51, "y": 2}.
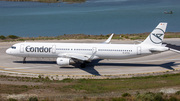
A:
{"x": 165, "y": 65}
{"x": 37, "y": 62}
{"x": 90, "y": 67}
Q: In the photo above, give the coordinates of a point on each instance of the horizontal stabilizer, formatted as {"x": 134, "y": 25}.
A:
{"x": 159, "y": 49}
{"x": 174, "y": 50}
{"x": 172, "y": 46}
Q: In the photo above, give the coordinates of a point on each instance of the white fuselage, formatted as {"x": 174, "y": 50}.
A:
{"x": 104, "y": 51}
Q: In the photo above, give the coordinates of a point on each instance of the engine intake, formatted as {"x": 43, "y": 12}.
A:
{"x": 64, "y": 61}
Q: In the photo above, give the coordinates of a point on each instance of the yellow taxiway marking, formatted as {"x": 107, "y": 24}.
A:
{"x": 10, "y": 68}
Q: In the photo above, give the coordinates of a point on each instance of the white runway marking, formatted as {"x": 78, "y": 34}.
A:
{"x": 18, "y": 68}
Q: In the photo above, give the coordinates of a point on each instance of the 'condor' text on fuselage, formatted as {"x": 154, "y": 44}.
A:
{"x": 38, "y": 49}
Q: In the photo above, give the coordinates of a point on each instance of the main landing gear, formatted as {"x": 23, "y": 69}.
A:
{"x": 24, "y": 60}
{"x": 83, "y": 65}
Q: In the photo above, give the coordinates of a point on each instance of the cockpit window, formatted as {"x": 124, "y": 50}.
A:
{"x": 13, "y": 47}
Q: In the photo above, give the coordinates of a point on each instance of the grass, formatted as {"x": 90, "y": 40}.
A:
{"x": 90, "y": 86}
{"x": 95, "y": 86}
{"x": 114, "y": 85}
{"x": 12, "y": 89}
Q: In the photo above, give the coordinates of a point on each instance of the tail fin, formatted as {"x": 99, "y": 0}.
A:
{"x": 157, "y": 35}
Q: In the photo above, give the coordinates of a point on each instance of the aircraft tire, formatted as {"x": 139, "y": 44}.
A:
{"x": 24, "y": 60}
{"x": 83, "y": 65}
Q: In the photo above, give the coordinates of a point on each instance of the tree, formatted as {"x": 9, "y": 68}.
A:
{"x": 2, "y": 37}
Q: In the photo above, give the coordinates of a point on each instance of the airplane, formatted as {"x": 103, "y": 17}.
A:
{"x": 69, "y": 53}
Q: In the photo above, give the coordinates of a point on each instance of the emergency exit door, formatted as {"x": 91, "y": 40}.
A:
{"x": 138, "y": 50}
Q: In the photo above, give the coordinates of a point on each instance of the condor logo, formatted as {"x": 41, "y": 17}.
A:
{"x": 38, "y": 49}
{"x": 156, "y": 36}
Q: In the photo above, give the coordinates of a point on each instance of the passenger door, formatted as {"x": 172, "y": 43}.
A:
{"x": 22, "y": 48}
{"x": 54, "y": 49}
{"x": 139, "y": 50}
{"x": 94, "y": 49}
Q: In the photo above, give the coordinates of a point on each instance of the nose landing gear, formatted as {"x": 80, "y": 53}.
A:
{"x": 24, "y": 60}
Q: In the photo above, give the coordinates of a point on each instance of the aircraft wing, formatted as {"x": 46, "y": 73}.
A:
{"x": 108, "y": 40}
{"x": 81, "y": 57}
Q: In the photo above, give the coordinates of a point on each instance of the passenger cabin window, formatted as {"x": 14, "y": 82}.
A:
{"x": 13, "y": 47}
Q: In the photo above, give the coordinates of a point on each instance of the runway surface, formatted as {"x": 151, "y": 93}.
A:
{"x": 161, "y": 62}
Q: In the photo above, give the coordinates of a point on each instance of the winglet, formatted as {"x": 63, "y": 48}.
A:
{"x": 108, "y": 40}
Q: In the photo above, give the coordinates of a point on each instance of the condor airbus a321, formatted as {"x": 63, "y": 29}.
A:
{"x": 68, "y": 53}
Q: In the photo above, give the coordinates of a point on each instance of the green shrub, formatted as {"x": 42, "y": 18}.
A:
{"x": 127, "y": 37}
{"x": 177, "y": 93}
{"x": 33, "y": 99}
{"x": 12, "y": 36}
{"x": 11, "y": 99}
{"x": 145, "y": 97}
{"x": 158, "y": 97}
{"x": 39, "y": 76}
{"x": 85, "y": 97}
{"x": 68, "y": 80}
{"x": 137, "y": 93}
{"x": 149, "y": 96}
{"x": 118, "y": 99}
{"x": 24, "y": 86}
{"x": 21, "y": 40}
{"x": 126, "y": 95}
{"x": 173, "y": 99}
{"x": 107, "y": 36}
{"x": 2, "y": 37}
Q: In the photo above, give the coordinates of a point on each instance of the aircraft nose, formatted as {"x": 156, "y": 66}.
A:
{"x": 8, "y": 51}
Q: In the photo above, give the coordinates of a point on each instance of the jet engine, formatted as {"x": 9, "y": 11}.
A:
{"x": 64, "y": 61}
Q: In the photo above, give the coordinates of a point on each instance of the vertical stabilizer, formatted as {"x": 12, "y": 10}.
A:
{"x": 157, "y": 35}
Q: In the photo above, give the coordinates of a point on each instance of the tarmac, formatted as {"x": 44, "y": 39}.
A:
{"x": 155, "y": 63}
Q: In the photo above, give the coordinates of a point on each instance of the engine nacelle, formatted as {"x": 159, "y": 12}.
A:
{"x": 63, "y": 61}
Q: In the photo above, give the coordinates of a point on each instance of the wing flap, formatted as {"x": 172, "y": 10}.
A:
{"x": 77, "y": 56}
